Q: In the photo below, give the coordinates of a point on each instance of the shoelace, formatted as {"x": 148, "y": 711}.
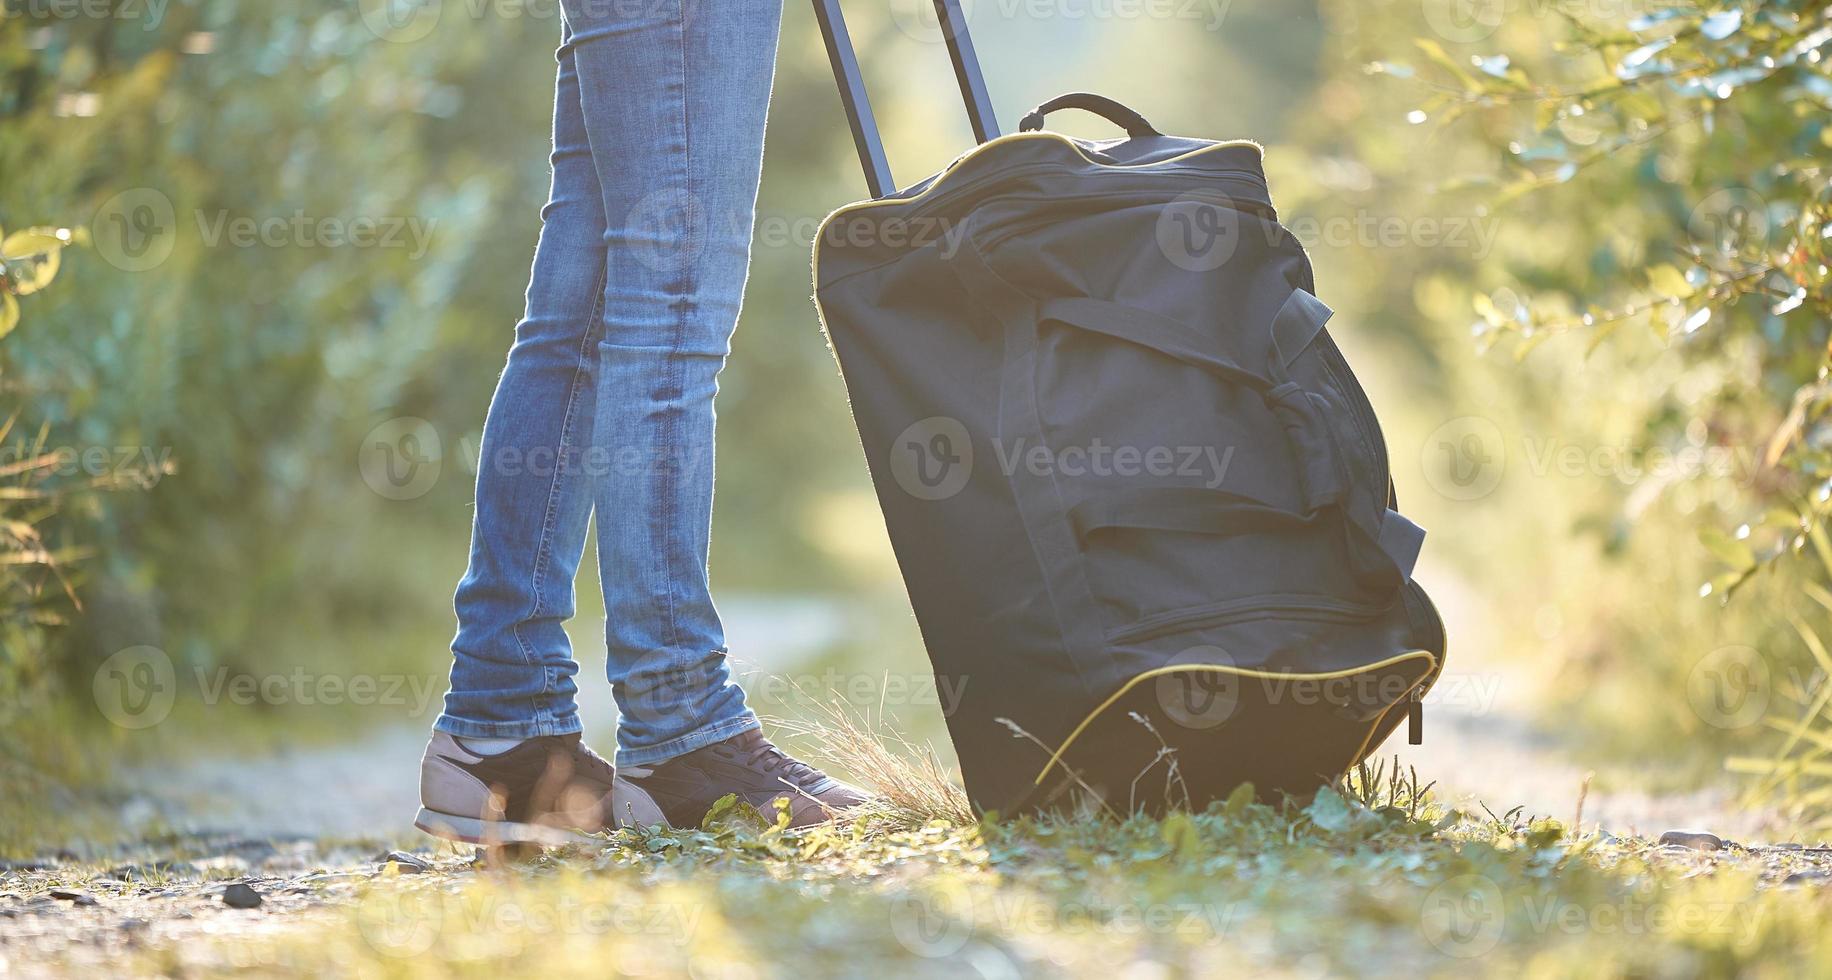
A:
{"x": 593, "y": 760}
{"x": 768, "y": 757}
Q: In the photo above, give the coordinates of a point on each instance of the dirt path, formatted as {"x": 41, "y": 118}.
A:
{"x": 1486, "y": 739}
{"x": 1483, "y": 741}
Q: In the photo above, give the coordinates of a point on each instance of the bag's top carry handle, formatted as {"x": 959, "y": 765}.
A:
{"x": 1127, "y": 119}
{"x": 953, "y": 24}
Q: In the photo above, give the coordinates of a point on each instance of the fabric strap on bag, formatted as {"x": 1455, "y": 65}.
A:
{"x": 1147, "y": 329}
{"x": 1391, "y": 548}
{"x": 1382, "y": 543}
{"x": 1298, "y": 322}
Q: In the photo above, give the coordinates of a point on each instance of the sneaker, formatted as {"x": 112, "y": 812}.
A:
{"x": 550, "y": 790}
{"x": 678, "y": 792}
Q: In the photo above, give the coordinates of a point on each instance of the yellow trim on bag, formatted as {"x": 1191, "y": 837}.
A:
{"x": 1247, "y": 672}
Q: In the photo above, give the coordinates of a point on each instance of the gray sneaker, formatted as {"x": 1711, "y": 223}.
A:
{"x": 678, "y": 792}
{"x": 548, "y": 790}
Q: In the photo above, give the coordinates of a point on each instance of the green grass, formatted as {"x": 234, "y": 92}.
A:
{"x": 1371, "y": 878}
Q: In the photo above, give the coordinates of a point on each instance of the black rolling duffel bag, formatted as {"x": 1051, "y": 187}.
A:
{"x": 1141, "y": 505}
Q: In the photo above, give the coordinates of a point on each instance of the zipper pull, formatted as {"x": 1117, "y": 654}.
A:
{"x": 1415, "y": 719}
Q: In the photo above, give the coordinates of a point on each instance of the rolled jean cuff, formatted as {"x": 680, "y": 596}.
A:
{"x": 649, "y": 755}
{"x": 533, "y": 728}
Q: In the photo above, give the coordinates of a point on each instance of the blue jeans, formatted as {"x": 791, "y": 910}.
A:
{"x": 606, "y": 404}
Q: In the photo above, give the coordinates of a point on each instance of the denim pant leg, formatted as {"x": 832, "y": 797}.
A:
{"x": 675, "y": 93}
{"x": 512, "y": 669}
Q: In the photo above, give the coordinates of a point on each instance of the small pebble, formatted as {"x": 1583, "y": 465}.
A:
{"x": 1697, "y": 840}
{"x": 83, "y": 899}
{"x": 1807, "y": 877}
{"x": 239, "y": 896}
{"x": 407, "y": 864}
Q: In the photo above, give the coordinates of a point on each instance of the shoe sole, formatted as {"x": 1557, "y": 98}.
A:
{"x": 636, "y": 808}
{"x": 472, "y": 830}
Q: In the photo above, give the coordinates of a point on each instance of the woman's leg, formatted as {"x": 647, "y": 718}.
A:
{"x": 674, "y": 94}
{"x": 512, "y": 669}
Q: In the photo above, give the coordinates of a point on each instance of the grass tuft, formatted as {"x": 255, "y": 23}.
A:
{"x": 912, "y": 784}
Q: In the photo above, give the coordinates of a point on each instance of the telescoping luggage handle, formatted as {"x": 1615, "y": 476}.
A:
{"x": 953, "y": 24}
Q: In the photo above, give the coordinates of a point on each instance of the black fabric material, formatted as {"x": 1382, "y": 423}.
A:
{"x": 1122, "y": 116}
{"x": 1046, "y": 302}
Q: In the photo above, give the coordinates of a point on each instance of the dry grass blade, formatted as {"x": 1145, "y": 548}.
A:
{"x": 913, "y": 785}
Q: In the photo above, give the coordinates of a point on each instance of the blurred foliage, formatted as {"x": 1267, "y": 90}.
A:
{"x": 36, "y": 593}
{"x": 1662, "y": 182}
